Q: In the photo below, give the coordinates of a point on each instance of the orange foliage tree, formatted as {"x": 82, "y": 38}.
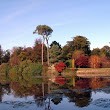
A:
{"x": 94, "y": 61}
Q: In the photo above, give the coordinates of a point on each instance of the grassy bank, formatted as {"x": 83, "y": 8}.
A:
{"x": 93, "y": 72}
{"x": 87, "y": 72}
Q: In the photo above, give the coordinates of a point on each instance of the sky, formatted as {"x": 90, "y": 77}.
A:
{"x": 67, "y": 18}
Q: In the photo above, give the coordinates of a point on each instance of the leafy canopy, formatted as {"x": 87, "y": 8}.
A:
{"x": 43, "y": 30}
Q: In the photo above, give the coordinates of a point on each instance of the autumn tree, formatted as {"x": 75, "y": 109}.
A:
{"x": 37, "y": 50}
{"x": 77, "y": 53}
{"x": 14, "y": 58}
{"x": 94, "y": 61}
{"x": 105, "y": 62}
{"x": 45, "y": 31}
{"x": 82, "y": 61}
{"x": 26, "y": 54}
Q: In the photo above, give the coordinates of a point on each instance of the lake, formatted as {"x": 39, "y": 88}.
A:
{"x": 63, "y": 93}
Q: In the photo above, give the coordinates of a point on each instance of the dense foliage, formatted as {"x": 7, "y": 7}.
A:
{"x": 4, "y": 72}
{"x": 80, "y": 43}
{"x": 25, "y": 62}
{"x": 55, "y": 53}
{"x": 95, "y": 61}
{"x": 82, "y": 61}
{"x": 25, "y": 72}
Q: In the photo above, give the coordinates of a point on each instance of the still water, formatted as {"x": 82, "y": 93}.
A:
{"x": 62, "y": 94}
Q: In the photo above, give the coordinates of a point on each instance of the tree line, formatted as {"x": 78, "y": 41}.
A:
{"x": 78, "y": 49}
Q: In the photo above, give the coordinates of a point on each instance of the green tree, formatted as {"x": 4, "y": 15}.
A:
{"x": 45, "y": 31}
{"x": 105, "y": 51}
{"x": 95, "y": 51}
{"x": 55, "y": 43}
{"x": 55, "y": 53}
{"x": 80, "y": 43}
{"x": 65, "y": 54}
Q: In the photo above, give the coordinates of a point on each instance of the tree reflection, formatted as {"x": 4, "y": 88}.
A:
{"x": 82, "y": 84}
{"x": 4, "y": 89}
{"x": 97, "y": 83}
{"x": 1, "y": 93}
{"x": 46, "y": 94}
{"x": 82, "y": 99}
{"x": 81, "y": 94}
{"x": 40, "y": 101}
{"x": 57, "y": 98}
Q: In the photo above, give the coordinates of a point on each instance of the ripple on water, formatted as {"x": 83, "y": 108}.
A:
{"x": 102, "y": 102}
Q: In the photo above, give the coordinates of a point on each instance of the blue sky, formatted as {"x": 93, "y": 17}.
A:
{"x": 67, "y": 18}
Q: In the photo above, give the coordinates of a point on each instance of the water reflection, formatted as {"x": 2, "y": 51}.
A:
{"x": 83, "y": 95}
{"x": 4, "y": 89}
{"x": 47, "y": 94}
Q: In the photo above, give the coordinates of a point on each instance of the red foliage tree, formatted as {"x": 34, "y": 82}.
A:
{"x": 81, "y": 61}
{"x": 60, "y": 67}
{"x": 105, "y": 62}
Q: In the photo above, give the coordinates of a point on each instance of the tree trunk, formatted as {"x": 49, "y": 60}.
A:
{"x": 43, "y": 50}
{"x": 48, "y": 55}
{"x": 47, "y": 51}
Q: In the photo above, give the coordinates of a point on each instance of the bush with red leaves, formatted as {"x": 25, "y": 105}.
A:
{"x": 60, "y": 67}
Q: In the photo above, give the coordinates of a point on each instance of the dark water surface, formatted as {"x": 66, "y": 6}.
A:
{"x": 62, "y": 94}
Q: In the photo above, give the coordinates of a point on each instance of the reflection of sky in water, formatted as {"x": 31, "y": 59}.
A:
{"x": 64, "y": 105}
{"x": 10, "y": 97}
{"x": 97, "y": 95}
{"x": 100, "y": 100}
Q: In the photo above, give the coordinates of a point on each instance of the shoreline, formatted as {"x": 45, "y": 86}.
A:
{"x": 93, "y": 72}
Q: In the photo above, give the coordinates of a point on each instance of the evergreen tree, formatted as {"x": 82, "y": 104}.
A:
{"x": 55, "y": 53}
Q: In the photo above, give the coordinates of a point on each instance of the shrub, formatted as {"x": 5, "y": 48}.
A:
{"x": 60, "y": 67}
{"x": 33, "y": 69}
